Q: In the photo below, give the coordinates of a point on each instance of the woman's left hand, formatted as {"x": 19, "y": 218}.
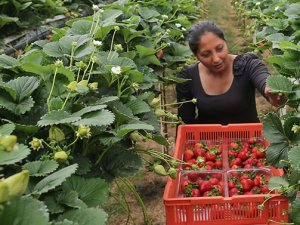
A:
{"x": 276, "y": 99}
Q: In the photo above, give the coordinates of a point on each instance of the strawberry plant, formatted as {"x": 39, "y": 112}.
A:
{"x": 75, "y": 107}
{"x": 278, "y": 28}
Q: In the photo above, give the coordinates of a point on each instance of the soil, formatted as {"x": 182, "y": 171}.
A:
{"x": 149, "y": 185}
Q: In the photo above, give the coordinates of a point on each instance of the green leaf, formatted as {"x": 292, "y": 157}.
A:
{"x": 279, "y": 84}
{"x": 8, "y": 62}
{"x": 122, "y": 112}
{"x": 292, "y": 12}
{"x": 53, "y": 205}
{"x": 90, "y": 216}
{"x": 40, "y": 168}
{"x": 70, "y": 198}
{"x": 53, "y": 49}
{"x": 294, "y": 157}
{"x": 54, "y": 180}
{"x": 24, "y": 86}
{"x": 81, "y": 27}
{"x": 8, "y": 90}
{"x": 144, "y": 51}
{"x": 273, "y": 130}
{"x": 138, "y": 106}
{"x": 109, "y": 16}
{"x": 120, "y": 162}
{"x": 278, "y": 24}
{"x": 276, "y": 152}
{"x": 21, "y": 152}
{"x": 7, "y": 19}
{"x": 277, "y": 182}
{"x": 295, "y": 215}
{"x": 98, "y": 118}
{"x": 57, "y": 117}
{"x": 108, "y": 99}
{"x": 24, "y": 211}
{"x": 84, "y": 164}
{"x": 158, "y": 138}
{"x": 66, "y": 222}
{"x": 125, "y": 129}
{"x": 92, "y": 191}
{"x": 277, "y": 38}
{"x": 180, "y": 50}
{"x": 88, "y": 109}
{"x": 148, "y": 13}
{"x": 7, "y": 129}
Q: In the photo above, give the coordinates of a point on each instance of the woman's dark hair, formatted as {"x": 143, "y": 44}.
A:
{"x": 200, "y": 29}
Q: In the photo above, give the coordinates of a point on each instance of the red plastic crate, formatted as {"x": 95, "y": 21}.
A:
{"x": 236, "y": 210}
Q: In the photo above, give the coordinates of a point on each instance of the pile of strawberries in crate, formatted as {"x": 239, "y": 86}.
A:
{"x": 235, "y": 167}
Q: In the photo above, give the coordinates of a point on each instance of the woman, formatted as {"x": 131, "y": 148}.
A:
{"x": 224, "y": 84}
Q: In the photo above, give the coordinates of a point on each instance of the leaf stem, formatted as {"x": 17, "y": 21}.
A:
{"x": 51, "y": 90}
{"x": 65, "y": 102}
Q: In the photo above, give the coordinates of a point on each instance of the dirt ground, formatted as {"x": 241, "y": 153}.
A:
{"x": 149, "y": 185}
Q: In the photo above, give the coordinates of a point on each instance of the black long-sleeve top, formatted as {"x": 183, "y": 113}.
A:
{"x": 237, "y": 105}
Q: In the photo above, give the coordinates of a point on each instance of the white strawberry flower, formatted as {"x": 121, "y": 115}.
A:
{"x": 116, "y": 70}
{"x": 257, "y": 3}
{"x": 164, "y": 16}
{"x": 97, "y": 43}
{"x": 178, "y": 25}
{"x": 276, "y": 8}
{"x": 95, "y": 7}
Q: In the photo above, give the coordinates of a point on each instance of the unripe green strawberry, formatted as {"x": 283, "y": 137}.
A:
{"x": 160, "y": 112}
{"x": 61, "y": 155}
{"x": 36, "y": 144}
{"x": 72, "y": 87}
{"x": 174, "y": 163}
{"x": 160, "y": 170}
{"x": 155, "y": 102}
{"x": 172, "y": 173}
{"x": 8, "y": 142}
{"x": 17, "y": 183}
{"x": 83, "y": 131}
{"x": 56, "y": 134}
{"x": 3, "y": 192}
{"x": 83, "y": 83}
{"x": 136, "y": 136}
{"x": 93, "y": 86}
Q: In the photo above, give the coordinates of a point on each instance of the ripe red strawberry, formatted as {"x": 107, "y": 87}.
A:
{"x": 258, "y": 181}
{"x": 198, "y": 145}
{"x": 214, "y": 181}
{"x": 260, "y": 153}
{"x": 242, "y": 155}
{"x": 247, "y": 184}
{"x": 188, "y": 154}
{"x": 233, "y": 145}
{"x": 252, "y": 140}
{"x": 160, "y": 53}
{"x": 183, "y": 185}
{"x": 231, "y": 184}
{"x": 264, "y": 189}
{"x": 199, "y": 152}
{"x": 192, "y": 176}
{"x": 205, "y": 186}
{"x": 195, "y": 192}
{"x": 248, "y": 166}
{"x": 218, "y": 164}
{"x": 233, "y": 191}
{"x": 211, "y": 163}
{"x": 210, "y": 156}
{"x": 236, "y": 161}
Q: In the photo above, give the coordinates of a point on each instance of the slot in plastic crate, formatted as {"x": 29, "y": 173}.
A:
{"x": 236, "y": 210}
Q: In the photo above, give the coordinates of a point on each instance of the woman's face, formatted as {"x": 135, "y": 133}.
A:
{"x": 212, "y": 52}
